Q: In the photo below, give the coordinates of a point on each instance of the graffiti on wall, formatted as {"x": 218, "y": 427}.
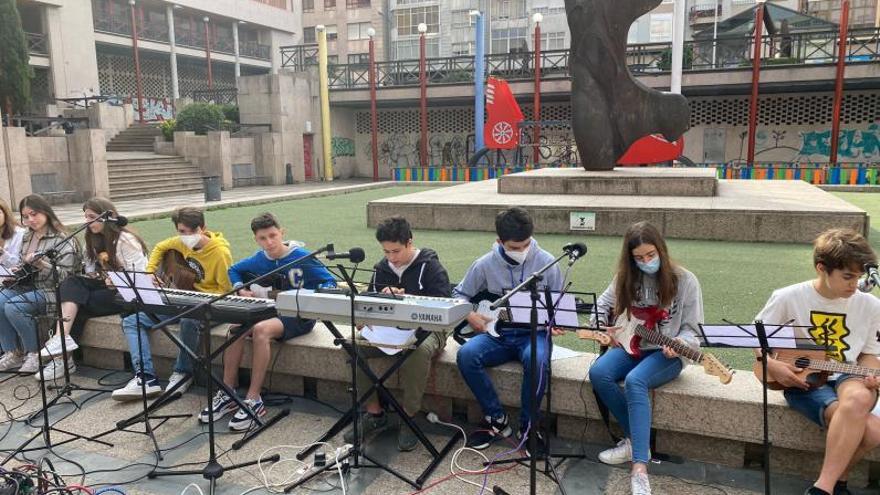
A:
{"x": 155, "y": 109}
{"x": 793, "y": 145}
{"x": 342, "y": 147}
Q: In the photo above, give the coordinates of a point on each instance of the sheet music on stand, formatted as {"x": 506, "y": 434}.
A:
{"x": 745, "y": 336}
{"x": 131, "y": 284}
{"x": 565, "y": 311}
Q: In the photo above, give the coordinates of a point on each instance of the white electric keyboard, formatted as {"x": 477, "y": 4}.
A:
{"x": 404, "y": 311}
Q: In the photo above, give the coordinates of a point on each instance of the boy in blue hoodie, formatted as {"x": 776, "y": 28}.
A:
{"x": 514, "y": 256}
{"x": 309, "y": 274}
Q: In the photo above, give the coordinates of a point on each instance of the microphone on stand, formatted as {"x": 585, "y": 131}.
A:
{"x": 575, "y": 251}
{"x": 119, "y": 220}
{"x": 355, "y": 255}
{"x": 872, "y": 278}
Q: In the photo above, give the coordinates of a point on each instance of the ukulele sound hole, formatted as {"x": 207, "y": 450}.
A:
{"x": 802, "y": 362}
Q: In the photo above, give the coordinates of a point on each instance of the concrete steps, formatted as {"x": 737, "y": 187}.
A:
{"x": 135, "y": 138}
{"x": 142, "y": 178}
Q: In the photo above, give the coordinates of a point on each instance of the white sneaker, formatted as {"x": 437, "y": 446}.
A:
{"x": 132, "y": 390}
{"x": 184, "y": 379}
{"x": 222, "y": 405}
{"x": 55, "y": 369}
{"x": 242, "y": 421}
{"x": 10, "y": 361}
{"x": 31, "y": 363}
{"x": 639, "y": 484}
{"x": 53, "y": 345}
{"x": 617, "y": 455}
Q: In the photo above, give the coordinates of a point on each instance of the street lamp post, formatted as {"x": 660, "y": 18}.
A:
{"x": 374, "y": 115}
{"x": 538, "y": 17}
{"x": 423, "y": 97}
{"x": 138, "y": 83}
{"x": 208, "y": 53}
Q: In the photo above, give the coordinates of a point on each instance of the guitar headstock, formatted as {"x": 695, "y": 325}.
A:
{"x": 713, "y": 366}
{"x": 600, "y": 337}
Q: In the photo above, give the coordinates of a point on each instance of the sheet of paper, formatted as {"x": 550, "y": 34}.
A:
{"x": 4, "y": 272}
{"x": 733, "y": 336}
{"x": 142, "y": 282}
{"x": 377, "y": 334}
{"x": 565, "y": 309}
{"x": 560, "y": 352}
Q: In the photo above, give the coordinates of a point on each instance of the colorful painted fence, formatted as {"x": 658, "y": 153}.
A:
{"x": 456, "y": 174}
{"x": 856, "y": 174}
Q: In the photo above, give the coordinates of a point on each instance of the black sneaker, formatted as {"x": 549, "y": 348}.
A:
{"x": 841, "y": 489}
{"x": 491, "y": 430}
{"x": 541, "y": 444}
{"x": 815, "y": 491}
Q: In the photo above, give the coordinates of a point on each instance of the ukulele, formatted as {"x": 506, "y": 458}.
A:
{"x": 640, "y": 326}
{"x": 815, "y": 367}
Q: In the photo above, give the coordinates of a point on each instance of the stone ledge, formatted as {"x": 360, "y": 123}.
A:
{"x": 695, "y": 406}
{"x": 622, "y": 181}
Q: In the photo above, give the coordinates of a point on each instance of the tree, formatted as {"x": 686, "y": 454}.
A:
{"x": 15, "y": 72}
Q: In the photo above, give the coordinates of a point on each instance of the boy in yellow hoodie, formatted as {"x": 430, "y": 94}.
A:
{"x": 208, "y": 254}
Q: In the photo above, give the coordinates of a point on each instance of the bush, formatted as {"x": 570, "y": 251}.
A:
{"x": 230, "y": 111}
{"x": 168, "y": 127}
{"x": 200, "y": 118}
{"x": 665, "y": 62}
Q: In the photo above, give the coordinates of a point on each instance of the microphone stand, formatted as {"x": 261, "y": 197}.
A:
{"x": 531, "y": 285}
{"x": 68, "y": 387}
{"x": 213, "y": 470}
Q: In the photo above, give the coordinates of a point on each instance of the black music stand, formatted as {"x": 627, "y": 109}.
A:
{"x": 128, "y": 281}
{"x": 548, "y": 312}
{"x": 755, "y": 336}
{"x": 213, "y": 470}
{"x": 353, "y": 414}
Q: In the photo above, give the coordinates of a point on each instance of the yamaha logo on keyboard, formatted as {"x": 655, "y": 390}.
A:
{"x": 427, "y": 317}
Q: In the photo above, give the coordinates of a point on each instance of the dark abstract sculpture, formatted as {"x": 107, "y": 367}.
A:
{"x": 611, "y": 109}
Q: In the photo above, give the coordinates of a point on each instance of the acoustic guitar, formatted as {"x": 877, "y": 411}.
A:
{"x": 175, "y": 272}
{"x": 633, "y": 330}
{"x": 815, "y": 367}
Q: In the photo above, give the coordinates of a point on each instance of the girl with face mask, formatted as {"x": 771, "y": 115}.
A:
{"x": 647, "y": 281}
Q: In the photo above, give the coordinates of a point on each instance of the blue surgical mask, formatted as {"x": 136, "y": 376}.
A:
{"x": 650, "y": 267}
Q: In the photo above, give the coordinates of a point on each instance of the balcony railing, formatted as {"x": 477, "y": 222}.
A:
{"x": 158, "y": 31}
{"x": 723, "y": 53}
{"x": 221, "y": 96}
{"x": 37, "y": 43}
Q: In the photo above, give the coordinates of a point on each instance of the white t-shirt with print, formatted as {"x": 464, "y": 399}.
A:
{"x": 853, "y": 323}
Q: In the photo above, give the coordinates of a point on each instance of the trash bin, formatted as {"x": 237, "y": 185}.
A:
{"x": 212, "y": 188}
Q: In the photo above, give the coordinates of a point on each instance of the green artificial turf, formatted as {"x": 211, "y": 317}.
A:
{"x": 736, "y": 277}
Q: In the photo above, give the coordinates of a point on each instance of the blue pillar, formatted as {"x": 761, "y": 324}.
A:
{"x": 479, "y": 83}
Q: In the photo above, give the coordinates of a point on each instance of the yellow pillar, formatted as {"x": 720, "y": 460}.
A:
{"x": 325, "y": 103}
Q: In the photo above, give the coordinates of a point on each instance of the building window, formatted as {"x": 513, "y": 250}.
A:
{"x": 358, "y": 30}
{"x": 661, "y": 28}
{"x": 409, "y": 49}
{"x": 358, "y": 58}
{"x": 408, "y": 20}
{"x": 332, "y": 59}
{"x": 308, "y": 5}
{"x": 462, "y": 19}
{"x": 329, "y": 4}
{"x": 309, "y": 35}
{"x": 331, "y": 32}
{"x": 508, "y": 9}
{"x": 512, "y": 40}
{"x": 462, "y": 49}
{"x": 357, "y": 4}
{"x": 553, "y": 41}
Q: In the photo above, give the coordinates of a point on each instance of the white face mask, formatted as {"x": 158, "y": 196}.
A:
{"x": 518, "y": 256}
{"x": 190, "y": 240}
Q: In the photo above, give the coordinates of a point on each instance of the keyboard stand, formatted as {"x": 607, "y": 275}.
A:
{"x": 378, "y": 384}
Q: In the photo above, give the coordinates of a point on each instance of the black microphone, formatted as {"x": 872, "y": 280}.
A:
{"x": 872, "y": 278}
{"x": 575, "y": 251}
{"x": 119, "y": 220}
{"x": 355, "y": 255}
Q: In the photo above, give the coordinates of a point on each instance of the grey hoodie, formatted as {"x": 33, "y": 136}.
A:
{"x": 685, "y": 313}
{"x": 494, "y": 272}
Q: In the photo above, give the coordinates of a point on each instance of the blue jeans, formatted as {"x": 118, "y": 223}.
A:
{"x": 130, "y": 329}
{"x": 485, "y": 351}
{"x": 17, "y": 319}
{"x": 632, "y": 406}
{"x": 189, "y": 335}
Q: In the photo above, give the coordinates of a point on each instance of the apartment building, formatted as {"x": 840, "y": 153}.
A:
{"x": 347, "y": 23}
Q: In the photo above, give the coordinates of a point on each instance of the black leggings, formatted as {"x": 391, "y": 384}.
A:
{"x": 92, "y": 297}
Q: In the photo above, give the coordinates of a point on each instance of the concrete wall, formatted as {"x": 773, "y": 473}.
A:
{"x": 47, "y": 156}
{"x": 345, "y": 160}
{"x": 112, "y": 119}
{"x": 212, "y": 153}
{"x": 74, "y": 67}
